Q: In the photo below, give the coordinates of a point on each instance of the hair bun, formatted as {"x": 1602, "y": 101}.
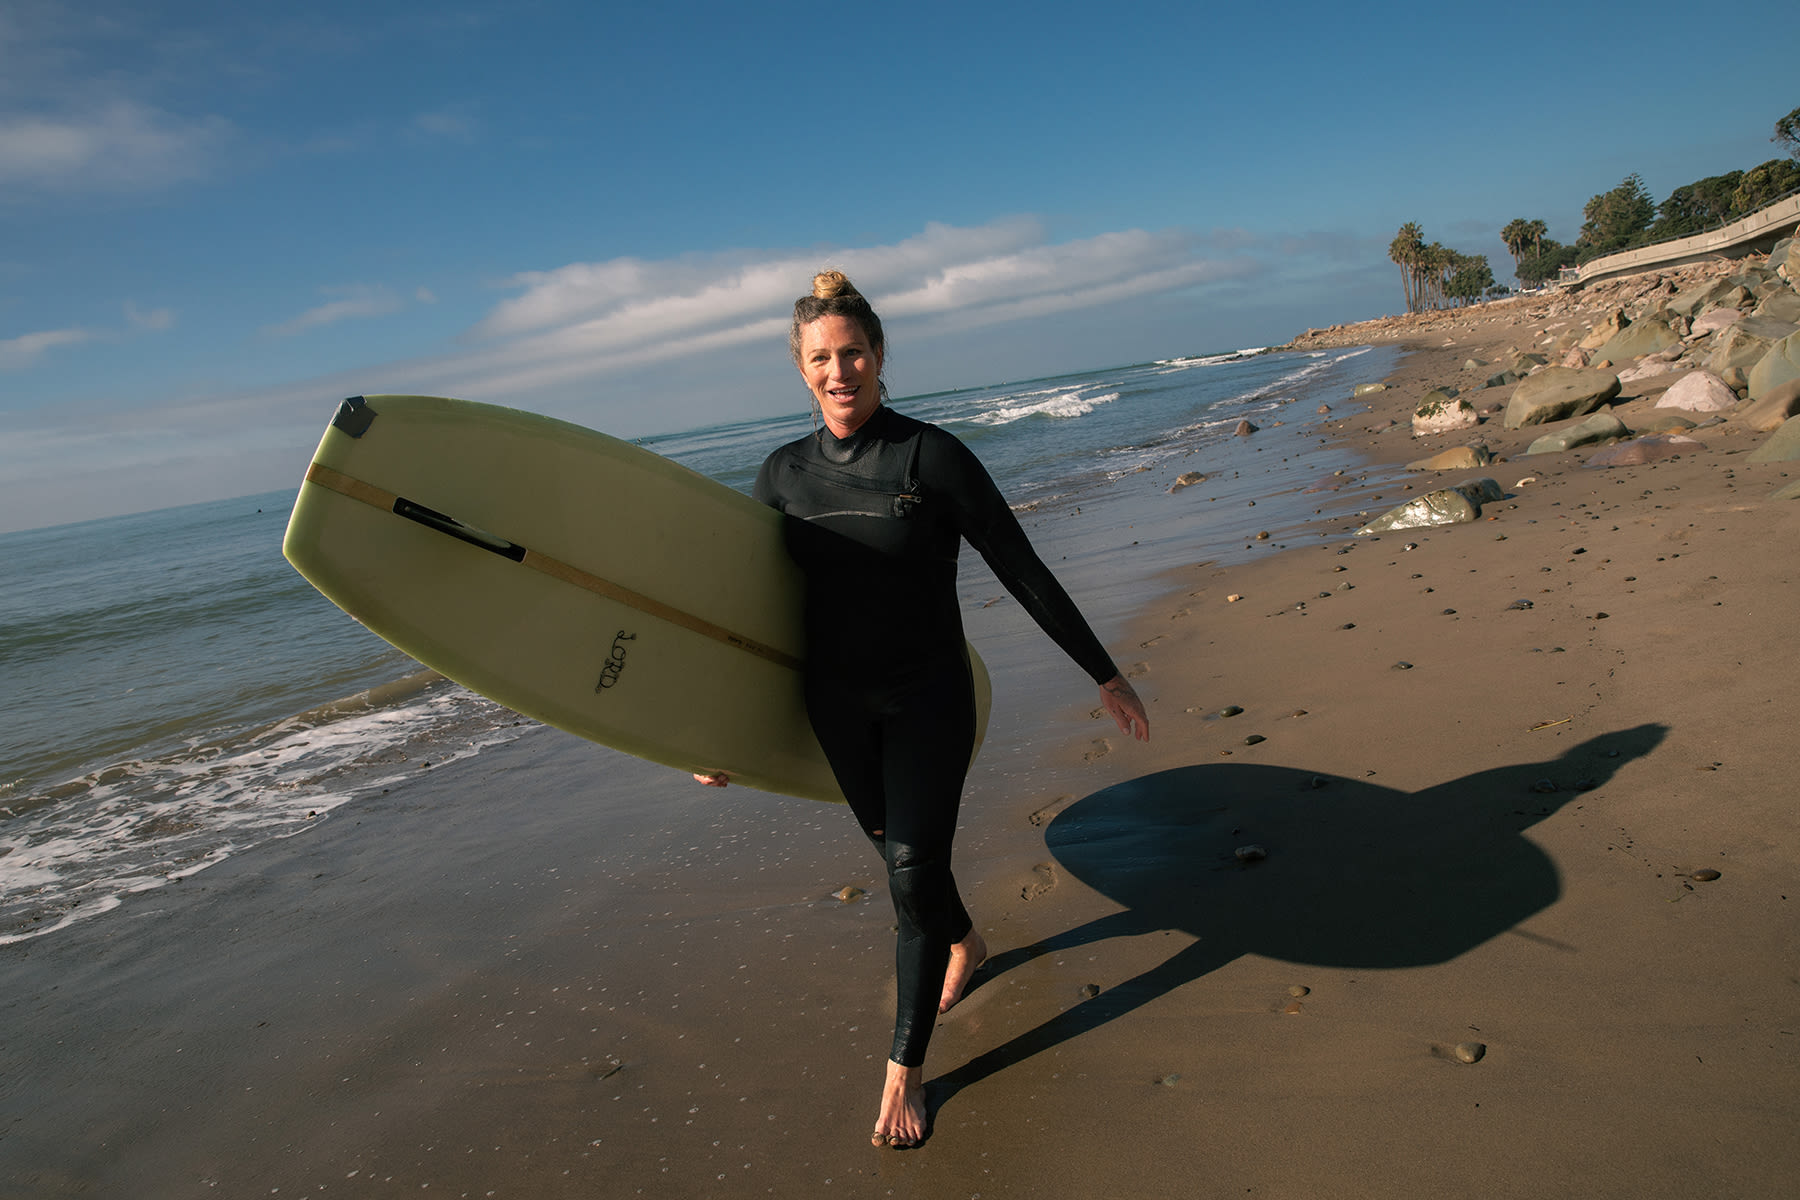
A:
{"x": 828, "y": 285}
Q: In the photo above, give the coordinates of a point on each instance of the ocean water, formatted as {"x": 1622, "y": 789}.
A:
{"x": 177, "y": 694}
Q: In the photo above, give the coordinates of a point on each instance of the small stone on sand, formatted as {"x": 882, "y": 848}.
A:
{"x": 1704, "y": 875}
{"x": 1298, "y": 990}
{"x": 1089, "y": 990}
{"x": 1470, "y": 1052}
{"x": 1250, "y": 854}
{"x": 849, "y": 894}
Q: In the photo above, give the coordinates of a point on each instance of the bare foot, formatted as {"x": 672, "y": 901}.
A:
{"x": 902, "y": 1121}
{"x": 965, "y": 956}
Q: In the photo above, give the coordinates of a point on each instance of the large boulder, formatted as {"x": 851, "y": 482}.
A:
{"x": 1448, "y": 506}
{"x": 1660, "y": 420}
{"x": 1615, "y": 323}
{"x": 1640, "y": 338}
{"x": 1457, "y": 458}
{"x": 1715, "y": 319}
{"x": 1788, "y": 260}
{"x": 1556, "y": 393}
{"x": 1524, "y": 362}
{"x": 1783, "y": 305}
{"x": 1699, "y": 391}
{"x": 1766, "y": 413}
{"x": 1782, "y": 446}
{"x": 1745, "y": 343}
{"x": 1775, "y": 368}
{"x": 1440, "y": 412}
{"x": 1696, "y": 299}
{"x": 1597, "y": 428}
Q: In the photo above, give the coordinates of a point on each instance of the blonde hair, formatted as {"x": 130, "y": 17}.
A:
{"x": 833, "y": 295}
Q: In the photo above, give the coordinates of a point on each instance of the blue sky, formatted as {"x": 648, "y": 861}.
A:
{"x": 216, "y": 220}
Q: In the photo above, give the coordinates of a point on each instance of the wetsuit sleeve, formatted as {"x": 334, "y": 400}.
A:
{"x": 763, "y": 492}
{"x": 950, "y": 469}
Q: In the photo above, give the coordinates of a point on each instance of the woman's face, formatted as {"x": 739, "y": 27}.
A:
{"x": 843, "y": 371}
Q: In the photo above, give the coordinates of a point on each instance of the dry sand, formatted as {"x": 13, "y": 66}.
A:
{"x": 1481, "y": 826}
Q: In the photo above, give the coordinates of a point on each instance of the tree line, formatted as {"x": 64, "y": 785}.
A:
{"x": 1614, "y": 220}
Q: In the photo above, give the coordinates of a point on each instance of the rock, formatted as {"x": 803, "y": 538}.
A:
{"x": 1089, "y": 990}
{"x": 1470, "y": 1052}
{"x": 1244, "y": 429}
{"x": 1642, "y": 337}
{"x": 1559, "y": 392}
{"x": 1473, "y": 364}
{"x": 1661, "y": 420}
{"x": 1766, "y": 413}
{"x": 1745, "y": 343}
{"x": 1718, "y": 318}
{"x": 849, "y": 894}
{"x": 1638, "y": 451}
{"x": 1230, "y": 710}
{"x": 1440, "y": 412}
{"x": 1448, "y": 506}
{"x": 1782, "y": 446}
{"x": 1457, "y": 458}
{"x": 1298, "y": 990}
{"x": 1521, "y": 364}
{"x": 1651, "y": 368}
{"x": 1576, "y": 357}
{"x": 1324, "y": 408}
{"x": 1363, "y": 389}
{"x": 1790, "y": 492}
{"x": 1250, "y": 854}
{"x": 1596, "y": 428}
{"x": 1775, "y": 368}
{"x": 1503, "y": 379}
{"x": 1704, "y": 875}
{"x": 1699, "y": 391}
{"x": 1187, "y": 479}
{"x": 1735, "y": 379}
{"x": 1606, "y": 331}
{"x": 1783, "y": 305}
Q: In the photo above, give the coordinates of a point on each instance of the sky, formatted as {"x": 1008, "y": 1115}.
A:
{"x": 219, "y": 219}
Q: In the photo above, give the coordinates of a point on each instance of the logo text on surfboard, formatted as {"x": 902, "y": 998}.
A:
{"x": 615, "y": 662}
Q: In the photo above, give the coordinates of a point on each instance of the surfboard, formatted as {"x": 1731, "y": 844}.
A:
{"x": 573, "y": 577}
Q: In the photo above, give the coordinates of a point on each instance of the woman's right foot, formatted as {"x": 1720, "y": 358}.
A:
{"x": 902, "y": 1120}
{"x": 965, "y": 957}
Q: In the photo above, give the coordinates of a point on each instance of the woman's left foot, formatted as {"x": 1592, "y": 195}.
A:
{"x": 965, "y": 957}
{"x": 902, "y": 1120}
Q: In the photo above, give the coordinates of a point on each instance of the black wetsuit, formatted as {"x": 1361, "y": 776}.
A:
{"x": 881, "y": 516}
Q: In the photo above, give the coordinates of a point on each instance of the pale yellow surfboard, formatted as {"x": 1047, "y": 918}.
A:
{"x": 575, "y": 578}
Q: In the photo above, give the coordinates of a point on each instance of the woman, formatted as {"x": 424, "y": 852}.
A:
{"x": 882, "y": 503}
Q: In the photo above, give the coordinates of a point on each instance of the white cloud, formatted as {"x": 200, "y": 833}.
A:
{"x": 121, "y": 145}
{"x": 153, "y": 319}
{"x": 587, "y": 319}
{"x": 25, "y": 350}
{"x": 355, "y": 302}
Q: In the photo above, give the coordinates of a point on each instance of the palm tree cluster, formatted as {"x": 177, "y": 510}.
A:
{"x": 1434, "y": 275}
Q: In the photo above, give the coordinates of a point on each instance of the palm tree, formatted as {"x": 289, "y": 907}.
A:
{"x": 1515, "y": 237}
{"x": 1404, "y": 250}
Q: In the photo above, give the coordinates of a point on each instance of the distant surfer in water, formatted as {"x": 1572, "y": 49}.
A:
{"x": 881, "y": 503}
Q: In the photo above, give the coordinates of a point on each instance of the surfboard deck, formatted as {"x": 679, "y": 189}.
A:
{"x": 573, "y": 577}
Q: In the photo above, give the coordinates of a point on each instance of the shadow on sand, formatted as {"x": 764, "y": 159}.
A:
{"x": 1357, "y": 875}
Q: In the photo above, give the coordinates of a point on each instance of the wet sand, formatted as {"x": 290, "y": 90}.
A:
{"x": 1480, "y": 826}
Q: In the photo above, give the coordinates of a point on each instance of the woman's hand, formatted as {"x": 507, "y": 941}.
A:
{"x": 1121, "y": 700}
{"x": 719, "y": 779}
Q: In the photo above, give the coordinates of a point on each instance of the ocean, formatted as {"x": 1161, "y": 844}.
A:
{"x": 177, "y": 694}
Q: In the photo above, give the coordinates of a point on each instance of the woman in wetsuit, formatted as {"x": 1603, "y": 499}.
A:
{"x": 882, "y": 503}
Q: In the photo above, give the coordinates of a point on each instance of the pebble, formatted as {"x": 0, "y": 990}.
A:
{"x": 1298, "y": 990}
{"x": 1352, "y": 625}
{"x": 1263, "y": 536}
{"x": 1704, "y": 875}
{"x": 1470, "y": 1052}
{"x": 848, "y": 894}
{"x": 1292, "y": 1009}
{"x": 1544, "y": 786}
{"x": 1167, "y": 1081}
{"x": 1403, "y": 666}
{"x": 1298, "y": 712}
{"x": 1250, "y": 854}
{"x": 1230, "y": 710}
{"x": 1254, "y": 738}
{"x": 1233, "y": 598}
{"x": 1518, "y": 604}
{"x": 1089, "y": 990}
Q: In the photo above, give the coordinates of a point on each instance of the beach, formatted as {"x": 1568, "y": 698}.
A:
{"x": 1484, "y": 887}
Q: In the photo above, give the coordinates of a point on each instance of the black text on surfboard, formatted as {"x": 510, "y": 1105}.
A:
{"x": 615, "y": 662}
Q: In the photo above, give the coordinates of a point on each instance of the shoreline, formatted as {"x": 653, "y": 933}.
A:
{"x": 527, "y": 1005}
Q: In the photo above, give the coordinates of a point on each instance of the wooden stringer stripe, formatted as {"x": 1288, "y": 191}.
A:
{"x": 544, "y": 564}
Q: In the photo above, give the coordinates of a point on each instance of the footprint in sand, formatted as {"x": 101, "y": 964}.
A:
{"x": 1101, "y": 749}
{"x": 1051, "y": 809}
{"x": 1137, "y": 669}
{"x": 1043, "y": 879}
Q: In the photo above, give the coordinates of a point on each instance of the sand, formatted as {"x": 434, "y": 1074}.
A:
{"x": 1480, "y": 829}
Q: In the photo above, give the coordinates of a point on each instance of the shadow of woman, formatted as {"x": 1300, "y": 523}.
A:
{"x": 1356, "y": 875}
